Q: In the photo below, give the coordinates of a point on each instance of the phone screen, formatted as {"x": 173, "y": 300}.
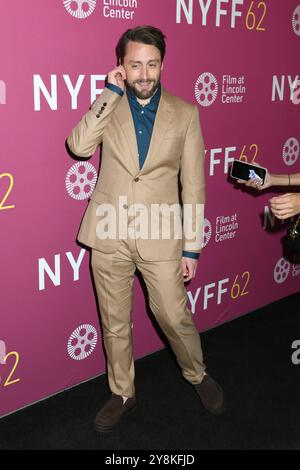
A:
{"x": 245, "y": 171}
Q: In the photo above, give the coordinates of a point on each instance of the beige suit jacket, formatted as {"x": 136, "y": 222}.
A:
{"x": 171, "y": 177}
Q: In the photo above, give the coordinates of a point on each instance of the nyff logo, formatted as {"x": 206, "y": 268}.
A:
{"x": 215, "y": 11}
{"x": 282, "y": 84}
{"x": 296, "y": 93}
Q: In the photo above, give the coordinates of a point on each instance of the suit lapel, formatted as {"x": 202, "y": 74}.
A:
{"x": 163, "y": 119}
{"x": 125, "y": 120}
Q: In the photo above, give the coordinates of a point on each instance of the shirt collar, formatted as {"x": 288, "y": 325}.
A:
{"x": 153, "y": 103}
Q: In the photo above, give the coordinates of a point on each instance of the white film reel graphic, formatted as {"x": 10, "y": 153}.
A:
{"x": 296, "y": 21}
{"x": 2, "y": 352}
{"x": 82, "y": 342}
{"x": 206, "y": 89}
{"x": 290, "y": 152}
{"x": 81, "y": 180}
{"x": 80, "y": 9}
{"x": 207, "y": 231}
{"x": 281, "y": 270}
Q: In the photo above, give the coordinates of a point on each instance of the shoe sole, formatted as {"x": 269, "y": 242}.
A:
{"x": 100, "y": 428}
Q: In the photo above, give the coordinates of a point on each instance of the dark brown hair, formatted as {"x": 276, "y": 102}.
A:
{"x": 143, "y": 34}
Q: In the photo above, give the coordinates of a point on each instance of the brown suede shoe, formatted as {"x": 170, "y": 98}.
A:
{"x": 111, "y": 413}
{"x": 211, "y": 395}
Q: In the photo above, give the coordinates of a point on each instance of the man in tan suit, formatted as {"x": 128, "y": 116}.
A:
{"x": 139, "y": 216}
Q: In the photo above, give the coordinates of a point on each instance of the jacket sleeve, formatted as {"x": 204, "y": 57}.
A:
{"x": 192, "y": 181}
{"x": 87, "y": 134}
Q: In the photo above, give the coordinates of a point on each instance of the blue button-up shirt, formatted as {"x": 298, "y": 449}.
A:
{"x": 143, "y": 119}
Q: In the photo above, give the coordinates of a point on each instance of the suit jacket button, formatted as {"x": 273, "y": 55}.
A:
{"x": 136, "y": 179}
{"x": 125, "y": 206}
{"x": 104, "y": 104}
{"x": 97, "y": 115}
{"x": 103, "y": 107}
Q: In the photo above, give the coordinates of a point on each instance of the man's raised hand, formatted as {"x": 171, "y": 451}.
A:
{"x": 117, "y": 77}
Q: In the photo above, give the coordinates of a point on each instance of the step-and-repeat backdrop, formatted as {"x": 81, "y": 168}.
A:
{"x": 238, "y": 60}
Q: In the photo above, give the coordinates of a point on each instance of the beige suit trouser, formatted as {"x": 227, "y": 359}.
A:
{"x": 114, "y": 276}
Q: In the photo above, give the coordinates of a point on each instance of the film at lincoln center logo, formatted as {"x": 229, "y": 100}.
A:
{"x": 80, "y": 9}
{"x": 206, "y": 89}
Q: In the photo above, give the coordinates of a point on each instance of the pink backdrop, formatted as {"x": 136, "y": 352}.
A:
{"x": 49, "y": 332}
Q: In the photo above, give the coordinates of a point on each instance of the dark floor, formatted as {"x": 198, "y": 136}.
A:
{"x": 250, "y": 357}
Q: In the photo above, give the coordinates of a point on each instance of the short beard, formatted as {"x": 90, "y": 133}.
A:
{"x": 146, "y": 94}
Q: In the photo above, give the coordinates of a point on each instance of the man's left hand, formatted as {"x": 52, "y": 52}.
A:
{"x": 189, "y": 267}
{"x": 285, "y": 206}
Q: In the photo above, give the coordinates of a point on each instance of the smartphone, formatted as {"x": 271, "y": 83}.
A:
{"x": 246, "y": 171}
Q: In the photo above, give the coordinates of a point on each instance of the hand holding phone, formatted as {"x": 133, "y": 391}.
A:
{"x": 253, "y": 175}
